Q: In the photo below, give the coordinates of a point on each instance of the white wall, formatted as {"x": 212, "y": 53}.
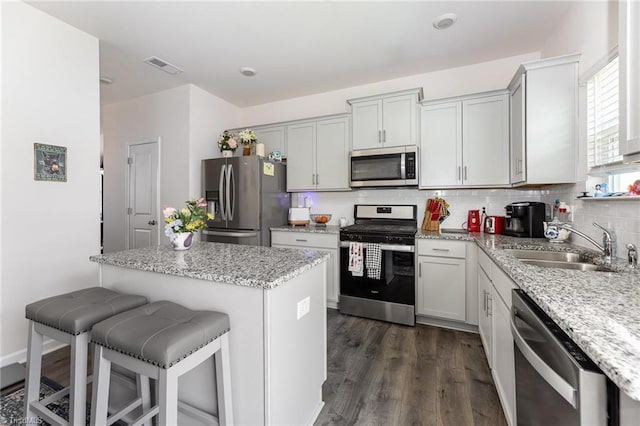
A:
{"x": 474, "y": 78}
{"x": 187, "y": 121}
{"x": 160, "y": 116}
{"x": 209, "y": 116}
{"x": 588, "y": 27}
{"x": 50, "y": 94}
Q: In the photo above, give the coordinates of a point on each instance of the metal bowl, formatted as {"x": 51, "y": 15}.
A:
{"x": 320, "y": 218}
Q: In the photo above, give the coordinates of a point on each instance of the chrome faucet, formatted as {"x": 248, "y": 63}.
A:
{"x": 632, "y": 255}
{"x": 608, "y": 239}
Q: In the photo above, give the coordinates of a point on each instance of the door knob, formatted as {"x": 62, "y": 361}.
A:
{"x": 152, "y": 222}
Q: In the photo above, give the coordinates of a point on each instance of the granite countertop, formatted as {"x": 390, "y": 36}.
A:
{"x": 250, "y": 266}
{"x": 329, "y": 229}
{"x": 600, "y": 311}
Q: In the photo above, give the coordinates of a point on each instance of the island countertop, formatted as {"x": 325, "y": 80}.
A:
{"x": 600, "y": 311}
{"x": 250, "y": 266}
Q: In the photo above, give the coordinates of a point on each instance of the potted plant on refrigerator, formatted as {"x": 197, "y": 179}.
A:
{"x": 248, "y": 139}
{"x": 227, "y": 144}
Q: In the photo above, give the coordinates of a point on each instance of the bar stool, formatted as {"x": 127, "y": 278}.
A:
{"x": 162, "y": 341}
{"x": 68, "y": 318}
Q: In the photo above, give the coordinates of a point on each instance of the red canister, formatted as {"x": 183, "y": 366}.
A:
{"x": 473, "y": 221}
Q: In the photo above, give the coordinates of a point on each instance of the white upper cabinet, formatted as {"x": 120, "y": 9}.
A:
{"x": 318, "y": 155}
{"x": 465, "y": 141}
{"x": 544, "y": 134}
{"x": 629, "y": 53}
{"x": 485, "y": 141}
{"x": 441, "y": 145}
{"x": 332, "y": 154}
{"x": 273, "y": 138}
{"x": 367, "y": 124}
{"x": 386, "y": 120}
{"x": 301, "y": 157}
{"x": 518, "y": 172}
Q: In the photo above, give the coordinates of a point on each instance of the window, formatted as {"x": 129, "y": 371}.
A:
{"x": 603, "y": 116}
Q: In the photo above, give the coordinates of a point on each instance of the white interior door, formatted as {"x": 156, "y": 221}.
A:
{"x": 143, "y": 195}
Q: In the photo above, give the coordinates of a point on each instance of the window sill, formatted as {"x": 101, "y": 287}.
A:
{"x": 618, "y": 198}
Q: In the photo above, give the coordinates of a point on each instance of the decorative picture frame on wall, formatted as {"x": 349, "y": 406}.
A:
{"x": 50, "y": 162}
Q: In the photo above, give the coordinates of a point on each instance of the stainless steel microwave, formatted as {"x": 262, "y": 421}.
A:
{"x": 396, "y": 166}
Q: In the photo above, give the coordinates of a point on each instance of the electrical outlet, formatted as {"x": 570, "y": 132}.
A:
{"x": 304, "y": 306}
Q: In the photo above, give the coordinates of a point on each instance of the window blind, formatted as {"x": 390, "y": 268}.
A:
{"x": 603, "y": 116}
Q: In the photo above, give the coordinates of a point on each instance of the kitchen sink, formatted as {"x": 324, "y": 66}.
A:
{"x": 544, "y": 255}
{"x": 580, "y": 266}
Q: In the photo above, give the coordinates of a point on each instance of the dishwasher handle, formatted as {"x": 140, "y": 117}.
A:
{"x": 564, "y": 389}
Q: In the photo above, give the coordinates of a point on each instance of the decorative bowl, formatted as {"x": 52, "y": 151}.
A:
{"x": 320, "y": 218}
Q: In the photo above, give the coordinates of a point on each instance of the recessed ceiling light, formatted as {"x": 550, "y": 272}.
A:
{"x": 247, "y": 71}
{"x": 444, "y": 21}
{"x": 105, "y": 80}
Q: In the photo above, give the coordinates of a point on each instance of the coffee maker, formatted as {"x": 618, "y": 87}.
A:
{"x": 525, "y": 219}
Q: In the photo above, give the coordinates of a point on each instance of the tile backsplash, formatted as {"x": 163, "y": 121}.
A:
{"x": 621, "y": 216}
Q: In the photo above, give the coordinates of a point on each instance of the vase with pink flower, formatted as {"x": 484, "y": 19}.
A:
{"x": 227, "y": 144}
{"x": 180, "y": 225}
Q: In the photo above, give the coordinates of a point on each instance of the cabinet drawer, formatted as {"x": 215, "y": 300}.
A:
{"x": 304, "y": 239}
{"x": 485, "y": 262}
{"x": 442, "y": 248}
{"x": 503, "y": 284}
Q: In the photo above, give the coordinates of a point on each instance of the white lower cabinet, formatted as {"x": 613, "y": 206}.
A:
{"x": 441, "y": 292}
{"x": 484, "y": 313}
{"x": 494, "y": 290}
{"x": 315, "y": 241}
{"x": 444, "y": 289}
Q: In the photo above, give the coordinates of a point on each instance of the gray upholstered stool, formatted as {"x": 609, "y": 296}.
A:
{"x": 162, "y": 341}
{"x": 68, "y": 318}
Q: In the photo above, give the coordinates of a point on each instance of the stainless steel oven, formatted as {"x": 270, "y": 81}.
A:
{"x": 386, "y": 233}
{"x": 556, "y": 383}
{"x": 396, "y": 166}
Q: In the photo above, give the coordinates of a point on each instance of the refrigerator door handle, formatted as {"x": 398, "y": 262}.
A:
{"x": 231, "y": 192}
{"x": 223, "y": 173}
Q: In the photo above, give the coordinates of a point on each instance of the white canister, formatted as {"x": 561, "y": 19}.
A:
{"x": 343, "y": 221}
{"x": 260, "y": 149}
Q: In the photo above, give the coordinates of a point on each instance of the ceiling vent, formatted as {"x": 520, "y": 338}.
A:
{"x": 163, "y": 65}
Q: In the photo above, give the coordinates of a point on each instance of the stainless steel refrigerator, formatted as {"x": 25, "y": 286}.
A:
{"x": 246, "y": 196}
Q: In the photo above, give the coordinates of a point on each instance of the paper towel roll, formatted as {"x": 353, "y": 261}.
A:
{"x": 260, "y": 149}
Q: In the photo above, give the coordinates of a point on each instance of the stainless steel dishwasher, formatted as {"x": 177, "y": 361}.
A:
{"x": 556, "y": 383}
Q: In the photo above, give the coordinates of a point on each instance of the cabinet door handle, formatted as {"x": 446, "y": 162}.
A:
{"x": 442, "y": 250}
{"x": 459, "y": 173}
{"x": 317, "y": 179}
{"x": 379, "y": 136}
{"x": 484, "y": 300}
{"x": 301, "y": 240}
{"x": 313, "y": 179}
{"x": 489, "y": 309}
{"x": 465, "y": 172}
{"x": 419, "y": 270}
{"x": 384, "y": 136}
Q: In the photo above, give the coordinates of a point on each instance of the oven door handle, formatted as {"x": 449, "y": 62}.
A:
{"x": 386, "y": 247}
{"x": 560, "y": 385}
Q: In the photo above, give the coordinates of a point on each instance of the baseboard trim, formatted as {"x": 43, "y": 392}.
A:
{"x": 460, "y": 326}
{"x": 316, "y": 413}
{"x": 332, "y": 305}
{"x": 20, "y": 356}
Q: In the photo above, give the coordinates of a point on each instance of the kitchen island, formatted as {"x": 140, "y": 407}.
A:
{"x": 276, "y": 302}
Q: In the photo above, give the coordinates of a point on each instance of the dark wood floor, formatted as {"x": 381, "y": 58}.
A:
{"x": 386, "y": 374}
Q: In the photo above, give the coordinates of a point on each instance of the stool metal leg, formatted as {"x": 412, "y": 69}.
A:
{"x": 223, "y": 382}
{"x": 167, "y": 397}
{"x": 34, "y": 367}
{"x": 101, "y": 377}
{"x": 78, "y": 391}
